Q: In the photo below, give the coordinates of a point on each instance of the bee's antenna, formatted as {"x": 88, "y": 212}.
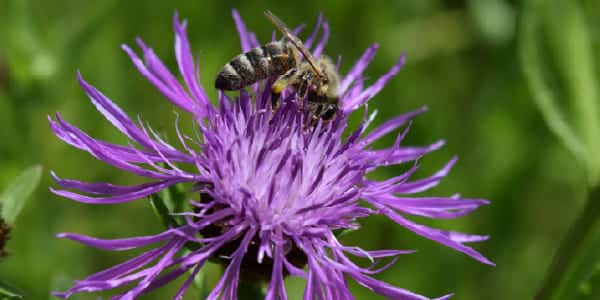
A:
{"x": 294, "y": 40}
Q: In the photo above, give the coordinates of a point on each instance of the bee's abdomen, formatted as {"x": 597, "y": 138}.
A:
{"x": 260, "y": 62}
{"x": 228, "y": 79}
{"x": 272, "y": 59}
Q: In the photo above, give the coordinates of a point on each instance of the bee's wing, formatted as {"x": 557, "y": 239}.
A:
{"x": 294, "y": 40}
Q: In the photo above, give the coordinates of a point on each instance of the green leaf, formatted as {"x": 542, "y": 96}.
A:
{"x": 200, "y": 284}
{"x": 8, "y": 292}
{"x": 543, "y": 96}
{"x": 200, "y": 281}
{"x": 343, "y": 232}
{"x": 571, "y": 44}
{"x": 578, "y": 257}
{"x": 167, "y": 202}
{"x": 14, "y": 197}
{"x": 174, "y": 198}
{"x": 160, "y": 204}
{"x": 162, "y": 211}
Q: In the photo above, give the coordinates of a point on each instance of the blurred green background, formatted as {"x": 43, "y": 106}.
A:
{"x": 463, "y": 63}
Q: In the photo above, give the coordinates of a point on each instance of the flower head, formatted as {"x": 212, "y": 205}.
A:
{"x": 271, "y": 189}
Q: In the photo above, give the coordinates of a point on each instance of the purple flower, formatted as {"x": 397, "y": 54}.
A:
{"x": 271, "y": 192}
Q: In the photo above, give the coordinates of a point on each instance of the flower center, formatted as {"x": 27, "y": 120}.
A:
{"x": 250, "y": 270}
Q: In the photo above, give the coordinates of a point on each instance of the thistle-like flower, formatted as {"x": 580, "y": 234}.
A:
{"x": 271, "y": 193}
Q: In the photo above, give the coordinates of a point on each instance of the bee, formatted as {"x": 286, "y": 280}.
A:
{"x": 287, "y": 60}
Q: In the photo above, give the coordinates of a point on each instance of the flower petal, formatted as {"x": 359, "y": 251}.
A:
{"x": 447, "y": 238}
{"x": 117, "y": 244}
{"x": 132, "y": 192}
{"x": 352, "y": 104}
{"x": 186, "y": 65}
{"x": 390, "y": 125}
{"x": 242, "y": 31}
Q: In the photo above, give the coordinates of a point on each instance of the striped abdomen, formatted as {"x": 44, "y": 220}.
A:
{"x": 270, "y": 60}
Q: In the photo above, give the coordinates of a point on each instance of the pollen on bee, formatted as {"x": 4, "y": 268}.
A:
{"x": 278, "y": 86}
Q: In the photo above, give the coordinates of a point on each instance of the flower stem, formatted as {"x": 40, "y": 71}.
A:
{"x": 578, "y": 254}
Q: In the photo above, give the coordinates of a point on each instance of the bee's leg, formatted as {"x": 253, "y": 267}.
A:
{"x": 316, "y": 113}
{"x": 276, "y": 90}
{"x": 278, "y": 86}
{"x": 303, "y": 86}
